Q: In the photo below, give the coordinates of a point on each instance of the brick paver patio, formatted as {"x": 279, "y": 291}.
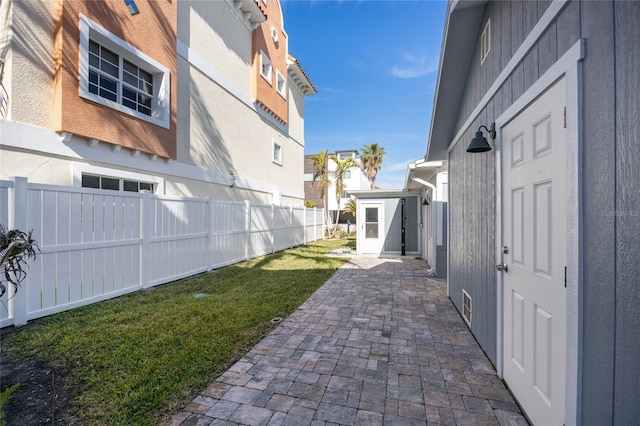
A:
{"x": 379, "y": 343}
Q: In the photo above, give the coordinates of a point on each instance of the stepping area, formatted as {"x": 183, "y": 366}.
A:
{"x": 380, "y": 343}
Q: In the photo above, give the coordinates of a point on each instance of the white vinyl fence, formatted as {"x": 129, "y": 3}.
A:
{"x": 99, "y": 244}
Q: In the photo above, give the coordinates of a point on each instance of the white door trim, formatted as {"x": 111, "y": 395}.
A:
{"x": 569, "y": 66}
{"x": 362, "y": 247}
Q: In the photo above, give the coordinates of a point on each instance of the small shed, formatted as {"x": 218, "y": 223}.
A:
{"x": 388, "y": 221}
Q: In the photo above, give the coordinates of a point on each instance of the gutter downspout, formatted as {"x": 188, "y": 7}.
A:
{"x": 423, "y": 183}
{"x": 434, "y": 192}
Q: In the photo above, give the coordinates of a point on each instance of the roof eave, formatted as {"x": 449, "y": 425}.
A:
{"x": 461, "y": 29}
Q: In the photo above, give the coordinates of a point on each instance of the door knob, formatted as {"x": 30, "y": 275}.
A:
{"x": 502, "y": 268}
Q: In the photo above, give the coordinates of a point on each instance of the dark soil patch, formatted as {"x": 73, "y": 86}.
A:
{"x": 42, "y": 398}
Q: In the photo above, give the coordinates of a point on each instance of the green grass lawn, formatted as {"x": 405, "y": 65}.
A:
{"x": 141, "y": 357}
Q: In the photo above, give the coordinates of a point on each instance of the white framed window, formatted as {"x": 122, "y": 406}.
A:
{"x": 115, "y": 74}
{"x": 277, "y": 153}
{"x": 308, "y": 177}
{"x": 87, "y": 176}
{"x": 266, "y": 69}
{"x": 485, "y": 41}
{"x": 347, "y": 175}
{"x": 281, "y": 84}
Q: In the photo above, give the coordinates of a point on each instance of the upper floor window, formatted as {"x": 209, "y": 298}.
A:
{"x": 266, "y": 69}
{"x": 116, "y": 74}
{"x": 347, "y": 175}
{"x": 281, "y": 84}
{"x": 277, "y": 153}
{"x": 485, "y": 41}
{"x": 119, "y": 80}
{"x": 308, "y": 177}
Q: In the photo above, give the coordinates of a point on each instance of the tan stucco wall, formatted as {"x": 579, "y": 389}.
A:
{"x": 296, "y": 112}
{"x": 211, "y": 29}
{"x": 28, "y": 75}
{"x": 152, "y": 31}
{"x": 218, "y": 132}
{"x": 264, "y": 92}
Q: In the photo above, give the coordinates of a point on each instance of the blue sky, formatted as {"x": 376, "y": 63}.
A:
{"x": 375, "y": 65}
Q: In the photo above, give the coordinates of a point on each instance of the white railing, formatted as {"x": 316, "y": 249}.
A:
{"x": 98, "y": 244}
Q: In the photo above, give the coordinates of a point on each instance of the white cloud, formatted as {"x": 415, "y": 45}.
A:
{"x": 414, "y": 65}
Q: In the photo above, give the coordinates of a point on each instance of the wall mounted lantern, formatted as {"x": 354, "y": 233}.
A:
{"x": 479, "y": 143}
{"x": 425, "y": 202}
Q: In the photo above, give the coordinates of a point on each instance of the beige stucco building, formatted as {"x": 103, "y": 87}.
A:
{"x": 187, "y": 98}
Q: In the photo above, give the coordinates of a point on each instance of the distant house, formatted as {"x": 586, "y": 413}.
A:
{"x": 188, "y": 98}
{"x": 543, "y": 248}
{"x": 354, "y": 180}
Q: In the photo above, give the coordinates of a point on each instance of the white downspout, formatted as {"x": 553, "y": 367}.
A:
{"x": 423, "y": 183}
{"x": 434, "y": 192}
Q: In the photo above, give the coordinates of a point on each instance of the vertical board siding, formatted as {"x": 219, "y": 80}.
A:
{"x": 92, "y": 242}
{"x": 472, "y": 218}
{"x": 609, "y": 162}
{"x": 627, "y": 65}
{"x": 599, "y": 248}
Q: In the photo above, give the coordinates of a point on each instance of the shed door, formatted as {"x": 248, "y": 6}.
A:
{"x": 372, "y": 227}
{"x": 534, "y": 230}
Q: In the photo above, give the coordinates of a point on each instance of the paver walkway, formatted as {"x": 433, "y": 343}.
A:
{"x": 379, "y": 343}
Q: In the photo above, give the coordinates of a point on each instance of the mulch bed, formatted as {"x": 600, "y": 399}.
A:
{"x": 43, "y": 398}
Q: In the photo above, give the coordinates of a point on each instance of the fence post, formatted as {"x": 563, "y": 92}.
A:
{"x": 209, "y": 219}
{"x": 247, "y": 227}
{"x": 147, "y": 221}
{"x": 17, "y": 218}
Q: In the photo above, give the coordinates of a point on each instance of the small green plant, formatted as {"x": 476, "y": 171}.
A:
{"x": 310, "y": 204}
{"x": 4, "y": 396}
{"x": 16, "y": 248}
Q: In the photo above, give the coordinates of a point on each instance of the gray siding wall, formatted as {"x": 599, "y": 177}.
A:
{"x": 611, "y": 199}
{"x": 472, "y": 177}
{"x": 610, "y": 290}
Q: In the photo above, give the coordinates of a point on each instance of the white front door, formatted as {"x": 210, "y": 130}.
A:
{"x": 534, "y": 198}
{"x": 371, "y": 227}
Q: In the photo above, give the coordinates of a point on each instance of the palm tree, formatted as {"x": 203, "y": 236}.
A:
{"x": 321, "y": 175}
{"x": 350, "y": 207}
{"x": 338, "y": 178}
{"x": 372, "y": 158}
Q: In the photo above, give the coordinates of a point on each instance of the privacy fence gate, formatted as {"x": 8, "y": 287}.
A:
{"x": 100, "y": 244}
